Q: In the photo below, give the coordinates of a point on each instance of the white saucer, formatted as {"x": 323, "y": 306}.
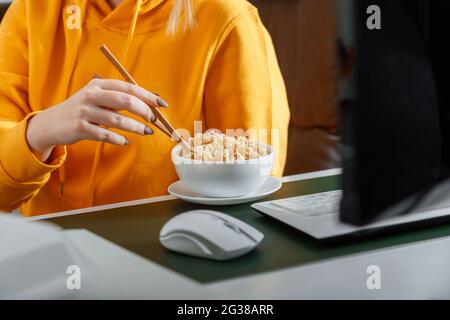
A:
{"x": 179, "y": 190}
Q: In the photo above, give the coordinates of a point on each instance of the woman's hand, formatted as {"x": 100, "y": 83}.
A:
{"x": 81, "y": 116}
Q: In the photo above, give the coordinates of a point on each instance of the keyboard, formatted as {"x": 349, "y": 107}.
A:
{"x": 311, "y": 205}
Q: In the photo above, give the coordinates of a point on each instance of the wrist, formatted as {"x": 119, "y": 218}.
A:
{"x": 37, "y": 141}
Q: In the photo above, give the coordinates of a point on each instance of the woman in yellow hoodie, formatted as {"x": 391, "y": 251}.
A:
{"x": 67, "y": 141}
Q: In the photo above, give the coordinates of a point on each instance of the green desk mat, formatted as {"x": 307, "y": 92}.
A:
{"x": 136, "y": 228}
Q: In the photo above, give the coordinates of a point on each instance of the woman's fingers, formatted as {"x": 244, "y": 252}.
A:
{"x": 113, "y": 119}
{"x": 97, "y": 133}
{"x": 121, "y": 101}
{"x": 125, "y": 87}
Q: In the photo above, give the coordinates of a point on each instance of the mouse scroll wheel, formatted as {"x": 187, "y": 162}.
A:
{"x": 232, "y": 227}
{"x": 227, "y": 224}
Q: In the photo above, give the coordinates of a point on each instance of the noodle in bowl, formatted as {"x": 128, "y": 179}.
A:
{"x": 233, "y": 176}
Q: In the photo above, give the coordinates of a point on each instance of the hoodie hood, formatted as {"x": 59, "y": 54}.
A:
{"x": 121, "y": 17}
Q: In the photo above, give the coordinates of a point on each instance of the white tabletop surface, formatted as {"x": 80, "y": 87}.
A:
{"x": 414, "y": 271}
{"x": 417, "y": 271}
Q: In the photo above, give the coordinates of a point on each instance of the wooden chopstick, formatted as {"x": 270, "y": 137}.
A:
{"x": 159, "y": 115}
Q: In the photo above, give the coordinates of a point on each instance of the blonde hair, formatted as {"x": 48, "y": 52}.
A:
{"x": 181, "y": 9}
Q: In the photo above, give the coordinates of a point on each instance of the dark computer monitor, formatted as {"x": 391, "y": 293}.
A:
{"x": 393, "y": 106}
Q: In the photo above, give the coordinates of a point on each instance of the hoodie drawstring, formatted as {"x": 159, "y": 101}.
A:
{"x": 72, "y": 45}
{"x": 131, "y": 31}
{"x": 100, "y": 145}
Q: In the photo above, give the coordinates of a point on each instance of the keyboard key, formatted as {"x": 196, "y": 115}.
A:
{"x": 311, "y": 205}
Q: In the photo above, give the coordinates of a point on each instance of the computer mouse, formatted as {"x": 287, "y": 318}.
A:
{"x": 209, "y": 234}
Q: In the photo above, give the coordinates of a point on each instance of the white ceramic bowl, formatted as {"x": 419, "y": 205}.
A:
{"x": 222, "y": 179}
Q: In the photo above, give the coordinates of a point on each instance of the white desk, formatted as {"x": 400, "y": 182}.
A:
{"x": 416, "y": 271}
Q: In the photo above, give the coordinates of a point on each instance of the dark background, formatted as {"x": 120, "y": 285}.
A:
{"x": 3, "y": 8}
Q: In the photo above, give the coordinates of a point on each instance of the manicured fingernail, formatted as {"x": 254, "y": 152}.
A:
{"x": 127, "y": 142}
{"x": 148, "y": 131}
{"x": 162, "y": 103}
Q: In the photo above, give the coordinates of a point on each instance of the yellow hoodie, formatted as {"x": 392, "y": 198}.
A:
{"x": 224, "y": 73}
